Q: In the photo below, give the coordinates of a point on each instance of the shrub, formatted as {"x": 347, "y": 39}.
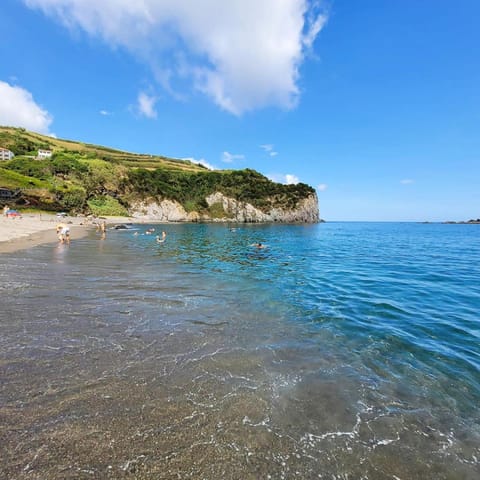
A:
{"x": 106, "y": 205}
{"x": 102, "y": 177}
{"x": 216, "y": 210}
{"x": 30, "y": 167}
{"x": 72, "y": 199}
{"x": 65, "y": 164}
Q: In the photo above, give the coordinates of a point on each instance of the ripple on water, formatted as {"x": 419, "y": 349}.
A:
{"x": 343, "y": 350}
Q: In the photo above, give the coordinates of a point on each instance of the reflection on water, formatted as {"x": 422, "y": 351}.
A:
{"x": 340, "y": 351}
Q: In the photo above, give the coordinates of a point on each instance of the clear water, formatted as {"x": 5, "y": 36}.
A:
{"x": 341, "y": 351}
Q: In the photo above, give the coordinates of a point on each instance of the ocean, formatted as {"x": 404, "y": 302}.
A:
{"x": 339, "y": 351}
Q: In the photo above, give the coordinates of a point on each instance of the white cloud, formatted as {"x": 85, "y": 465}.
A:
{"x": 321, "y": 187}
{"x": 291, "y": 179}
{"x": 288, "y": 178}
{"x": 146, "y": 105}
{"x": 315, "y": 24}
{"x": 105, "y": 113}
{"x": 269, "y": 149}
{"x": 231, "y": 157}
{"x": 243, "y": 54}
{"x": 406, "y": 181}
{"x": 201, "y": 162}
{"x": 19, "y": 109}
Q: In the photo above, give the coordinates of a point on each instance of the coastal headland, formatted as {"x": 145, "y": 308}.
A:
{"x": 49, "y": 174}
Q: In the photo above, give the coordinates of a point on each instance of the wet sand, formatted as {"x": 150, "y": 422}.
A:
{"x": 38, "y": 228}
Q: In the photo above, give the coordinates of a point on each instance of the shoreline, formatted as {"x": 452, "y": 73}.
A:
{"x": 34, "y": 229}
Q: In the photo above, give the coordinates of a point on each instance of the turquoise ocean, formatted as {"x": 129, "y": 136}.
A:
{"x": 340, "y": 351}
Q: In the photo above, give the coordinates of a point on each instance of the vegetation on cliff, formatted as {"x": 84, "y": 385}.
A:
{"x": 81, "y": 177}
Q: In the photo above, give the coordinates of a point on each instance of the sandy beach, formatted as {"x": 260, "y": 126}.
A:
{"x": 37, "y": 228}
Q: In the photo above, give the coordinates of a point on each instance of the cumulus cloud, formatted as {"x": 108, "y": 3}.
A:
{"x": 287, "y": 179}
{"x": 243, "y": 54}
{"x": 19, "y": 109}
{"x": 406, "y": 181}
{"x": 105, "y": 113}
{"x": 146, "y": 105}
{"x": 231, "y": 157}
{"x": 291, "y": 179}
{"x": 201, "y": 161}
{"x": 321, "y": 187}
{"x": 268, "y": 148}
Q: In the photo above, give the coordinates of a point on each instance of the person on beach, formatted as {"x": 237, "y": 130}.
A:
{"x": 63, "y": 233}
{"x": 6, "y": 208}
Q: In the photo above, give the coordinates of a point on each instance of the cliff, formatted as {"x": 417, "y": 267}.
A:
{"x": 227, "y": 210}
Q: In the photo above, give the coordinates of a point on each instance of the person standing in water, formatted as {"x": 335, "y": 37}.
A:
{"x": 103, "y": 230}
{"x": 63, "y": 233}
{"x": 162, "y": 238}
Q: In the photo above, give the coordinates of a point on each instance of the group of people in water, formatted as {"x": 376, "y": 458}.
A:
{"x": 63, "y": 234}
{"x": 159, "y": 238}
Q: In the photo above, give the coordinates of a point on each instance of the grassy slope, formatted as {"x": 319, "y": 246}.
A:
{"x": 132, "y": 160}
{"x": 14, "y": 180}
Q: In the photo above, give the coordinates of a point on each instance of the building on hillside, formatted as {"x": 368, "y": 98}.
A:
{"x": 6, "y": 154}
{"x": 43, "y": 154}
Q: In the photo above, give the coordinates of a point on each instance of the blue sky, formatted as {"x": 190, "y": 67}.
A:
{"x": 374, "y": 103}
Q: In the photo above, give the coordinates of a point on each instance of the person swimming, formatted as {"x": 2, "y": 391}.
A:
{"x": 162, "y": 238}
{"x": 258, "y": 245}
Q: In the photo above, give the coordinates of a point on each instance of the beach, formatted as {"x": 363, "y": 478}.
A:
{"x": 37, "y": 228}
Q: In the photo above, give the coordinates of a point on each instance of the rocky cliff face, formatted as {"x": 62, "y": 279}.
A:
{"x": 306, "y": 211}
{"x": 161, "y": 211}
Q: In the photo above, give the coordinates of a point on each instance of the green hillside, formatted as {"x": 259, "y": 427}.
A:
{"x": 86, "y": 178}
{"x": 23, "y": 142}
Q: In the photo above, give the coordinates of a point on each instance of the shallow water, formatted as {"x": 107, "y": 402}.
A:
{"x": 343, "y": 350}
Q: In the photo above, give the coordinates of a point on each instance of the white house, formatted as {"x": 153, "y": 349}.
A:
{"x": 43, "y": 154}
{"x": 5, "y": 154}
